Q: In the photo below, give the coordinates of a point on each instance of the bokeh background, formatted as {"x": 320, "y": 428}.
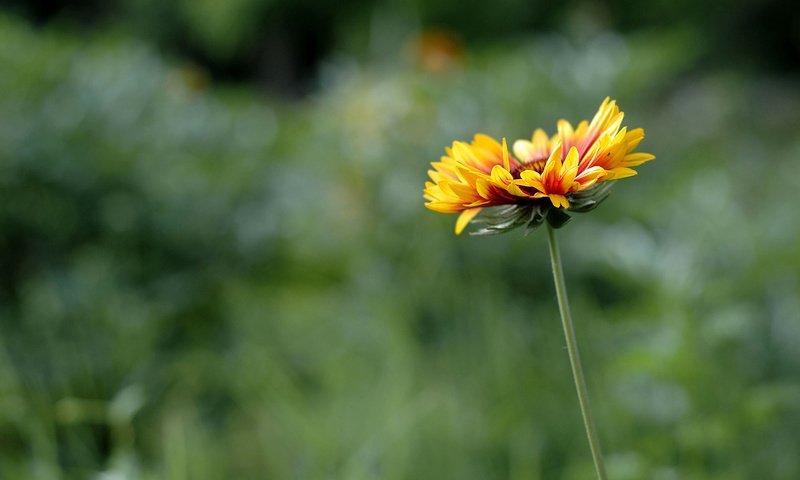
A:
{"x": 215, "y": 263}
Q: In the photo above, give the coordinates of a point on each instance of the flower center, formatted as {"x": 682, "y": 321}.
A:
{"x": 535, "y": 165}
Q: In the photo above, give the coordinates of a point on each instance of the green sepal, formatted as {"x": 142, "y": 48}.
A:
{"x": 504, "y": 218}
{"x": 589, "y": 199}
{"x": 537, "y": 218}
{"x": 557, "y": 217}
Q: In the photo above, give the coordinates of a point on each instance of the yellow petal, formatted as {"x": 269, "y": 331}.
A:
{"x": 463, "y": 191}
{"x": 482, "y": 186}
{"x": 570, "y": 168}
{"x": 620, "y": 136}
{"x": 590, "y": 175}
{"x": 501, "y": 175}
{"x": 553, "y": 165}
{"x": 566, "y": 133}
{"x": 580, "y": 130}
{"x": 540, "y": 140}
{"x": 466, "y": 174}
{"x": 559, "y": 200}
{"x": 636, "y": 159}
{"x": 437, "y": 176}
{"x": 506, "y": 163}
{"x": 531, "y": 179}
{"x": 621, "y": 172}
{"x": 564, "y": 129}
{"x": 524, "y": 150}
{"x": 464, "y": 219}
{"x": 530, "y": 176}
{"x": 616, "y": 121}
{"x": 463, "y": 153}
{"x": 483, "y": 140}
{"x": 633, "y": 138}
{"x": 513, "y": 189}
{"x": 444, "y": 207}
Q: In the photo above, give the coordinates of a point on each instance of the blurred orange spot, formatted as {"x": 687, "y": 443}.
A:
{"x": 437, "y": 51}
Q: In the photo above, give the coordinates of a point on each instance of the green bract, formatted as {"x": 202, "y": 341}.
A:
{"x": 505, "y": 218}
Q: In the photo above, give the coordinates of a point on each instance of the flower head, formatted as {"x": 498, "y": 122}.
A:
{"x": 546, "y": 178}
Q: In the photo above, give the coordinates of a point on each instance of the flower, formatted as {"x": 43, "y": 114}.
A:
{"x": 544, "y": 179}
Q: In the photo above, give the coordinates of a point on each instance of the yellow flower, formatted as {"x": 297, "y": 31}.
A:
{"x": 544, "y": 179}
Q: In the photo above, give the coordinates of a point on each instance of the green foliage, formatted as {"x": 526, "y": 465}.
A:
{"x": 201, "y": 283}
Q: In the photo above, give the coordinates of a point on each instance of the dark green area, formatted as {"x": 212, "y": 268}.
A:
{"x": 279, "y": 44}
{"x": 200, "y": 281}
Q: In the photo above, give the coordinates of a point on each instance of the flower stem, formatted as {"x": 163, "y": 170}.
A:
{"x": 574, "y": 355}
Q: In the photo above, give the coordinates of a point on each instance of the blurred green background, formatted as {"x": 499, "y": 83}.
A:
{"x": 215, "y": 262}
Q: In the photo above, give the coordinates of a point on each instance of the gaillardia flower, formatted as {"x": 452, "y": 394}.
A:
{"x": 546, "y": 178}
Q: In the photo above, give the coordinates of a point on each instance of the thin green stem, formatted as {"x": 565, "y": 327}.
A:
{"x": 574, "y": 355}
